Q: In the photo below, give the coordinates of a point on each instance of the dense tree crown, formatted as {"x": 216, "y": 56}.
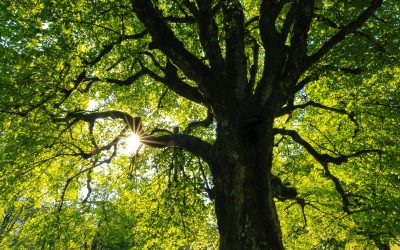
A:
{"x": 264, "y": 124}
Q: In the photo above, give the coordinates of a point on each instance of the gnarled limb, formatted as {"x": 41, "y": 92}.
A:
{"x": 170, "y": 80}
{"x": 187, "y": 142}
{"x": 282, "y": 191}
{"x": 324, "y": 160}
{"x": 203, "y": 123}
{"x": 165, "y": 40}
{"x": 290, "y": 108}
{"x": 173, "y": 82}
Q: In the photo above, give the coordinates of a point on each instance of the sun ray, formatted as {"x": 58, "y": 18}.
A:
{"x": 131, "y": 144}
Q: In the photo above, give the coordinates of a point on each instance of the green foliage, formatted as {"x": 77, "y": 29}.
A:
{"x": 52, "y": 198}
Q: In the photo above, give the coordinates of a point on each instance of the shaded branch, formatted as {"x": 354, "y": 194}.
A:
{"x": 204, "y": 123}
{"x": 281, "y": 191}
{"x": 170, "y": 80}
{"x": 343, "y": 32}
{"x": 289, "y": 19}
{"x": 209, "y": 34}
{"x": 128, "y": 81}
{"x": 254, "y": 66}
{"x": 303, "y": 14}
{"x": 276, "y": 53}
{"x": 235, "y": 57}
{"x": 324, "y": 159}
{"x": 165, "y": 40}
{"x": 290, "y": 108}
{"x": 269, "y": 11}
{"x": 107, "y": 48}
{"x": 134, "y": 123}
{"x": 187, "y": 142}
{"x": 173, "y": 82}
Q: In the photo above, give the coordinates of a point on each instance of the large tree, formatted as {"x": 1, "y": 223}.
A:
{"x": 285, "y": 104}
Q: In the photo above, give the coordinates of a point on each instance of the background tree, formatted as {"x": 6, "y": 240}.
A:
{"x": 282, "y": 115}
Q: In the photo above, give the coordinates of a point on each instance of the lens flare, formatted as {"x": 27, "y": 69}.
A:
{"x": 131, "y": 145}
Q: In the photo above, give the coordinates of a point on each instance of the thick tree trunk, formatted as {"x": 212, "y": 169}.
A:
{"x": 246, "y": 213}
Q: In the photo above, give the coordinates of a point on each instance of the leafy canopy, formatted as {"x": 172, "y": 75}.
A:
{"x": 65, "y": 182}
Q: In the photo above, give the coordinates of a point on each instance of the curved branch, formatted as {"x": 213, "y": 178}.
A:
{"x": 133, "y": 123}
{"x": 346, "y": 30}
{"x": 290, "y": 108}
{"x": 324, "y": 159}
{"x": 187, "y": 142}
{"x": 170, "y": 80}
{"x": 282, "y": 191}
{"x": 173, "y": 82}
{"x": 204, "y": 123}
{"x": 165, "y": 40}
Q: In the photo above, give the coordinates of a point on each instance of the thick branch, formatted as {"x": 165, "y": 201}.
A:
{"x": 346, "y": 30}
{"x": 170, "y": 80}
{"x": 289, "y": 19}
{"x": 269, "y": 35}
{"x": 187, "y": 142}
{"x": 173, "y": 82}
{"x": 235, "y": 48}
{"x": 275, "y": 51}
{"x": 209, "y": 34}
{"x": 165, "y": 40}
{"x": 254, "y": 66}
{"x": 298, "y": 42}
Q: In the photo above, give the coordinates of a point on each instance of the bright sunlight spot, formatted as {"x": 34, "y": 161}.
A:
{"x": 132, "y": 143}
{"x": 92, "y": 105}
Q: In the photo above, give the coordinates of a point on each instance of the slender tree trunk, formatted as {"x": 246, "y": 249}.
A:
{"x": 246, "y": 213}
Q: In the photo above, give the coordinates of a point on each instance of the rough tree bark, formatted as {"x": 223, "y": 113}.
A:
{"x": 241, "y": 166}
